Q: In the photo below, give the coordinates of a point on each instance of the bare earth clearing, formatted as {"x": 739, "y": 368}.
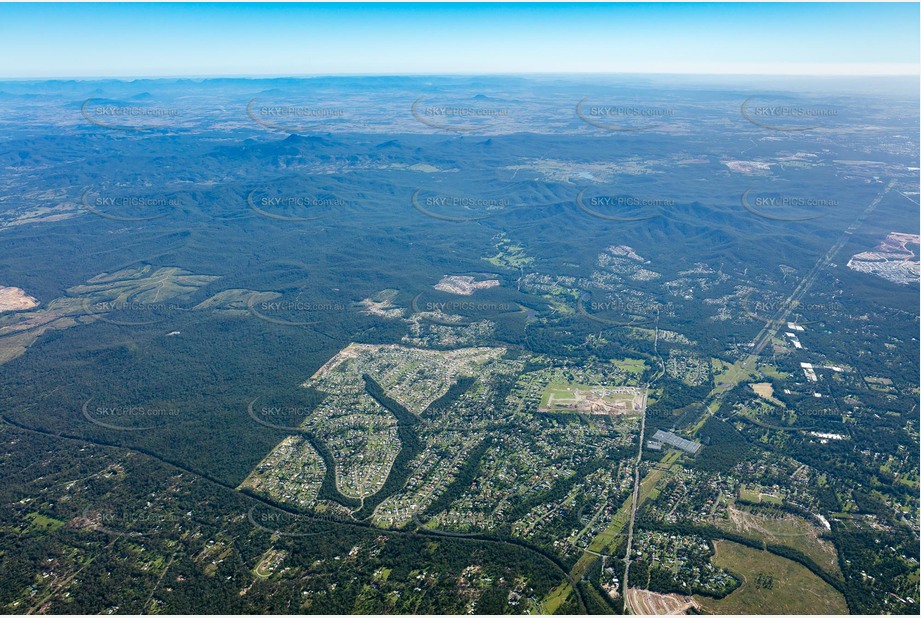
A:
{"x": 463, "y": 285}
{"x": 15, "y": 299}
{"x": 648, "y": 603}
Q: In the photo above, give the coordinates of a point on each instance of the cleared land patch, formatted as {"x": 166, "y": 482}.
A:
{"x": 131, "y": 296}
{"x": 770, "y": 585}
{"x": 649, "y": 603}
{"x": 269, "y": 563}
{"x": 784, "y": 529}
{"x": 589, "y": 399}
{"x": 763, "y": 389}
{"x": 464, "y": 285}
{"x": 15, "y": 299}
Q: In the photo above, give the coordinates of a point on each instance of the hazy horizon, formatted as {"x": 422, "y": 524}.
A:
{"x": 68, "y": 41}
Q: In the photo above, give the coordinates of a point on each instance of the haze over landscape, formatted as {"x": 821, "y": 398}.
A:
{"x": 459, "y": 309}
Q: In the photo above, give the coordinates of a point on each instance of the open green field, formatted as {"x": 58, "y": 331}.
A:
{"x": 510, "y": 255}
{"x": 786, "y": 529}
{"x": 633, "y": 365}
{"x": 771, "y": 371}
{"x": 587, "y": 398}
{"x": 770, "y": 585}
{"x": 727, "y": 375}
{"x": 556, "y": 598}
{"x": 756, "y": 497}
{"x": 42, "y": 522}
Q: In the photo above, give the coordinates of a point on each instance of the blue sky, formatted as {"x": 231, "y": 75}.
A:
{"x": 132, "y": 40}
